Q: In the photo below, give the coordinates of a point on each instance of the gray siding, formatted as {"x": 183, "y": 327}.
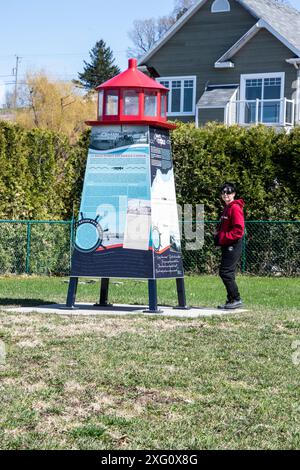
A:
{"x": 195, "y": 48}
{"x": 210, "y": 114}
{"x": 262, "y": 54}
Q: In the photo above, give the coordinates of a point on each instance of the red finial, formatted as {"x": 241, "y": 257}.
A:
{"x": 132, "y": 63}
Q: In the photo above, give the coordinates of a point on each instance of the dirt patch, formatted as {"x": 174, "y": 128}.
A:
{"x": 30, "y": 344}
{"x": 73, "y": 387}
{"x": 34, "y": 387}
{"x": 102, "y": 401}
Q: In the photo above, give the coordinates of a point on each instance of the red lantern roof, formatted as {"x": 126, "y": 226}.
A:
{"x": 132, "y": 78}
{"x": 132, "y": 98}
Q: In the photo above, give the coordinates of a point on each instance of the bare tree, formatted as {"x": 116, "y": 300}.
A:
{"x": 145, "y": 33}
{"x": 10, "y": 103}
{"x": 181, "y": 6}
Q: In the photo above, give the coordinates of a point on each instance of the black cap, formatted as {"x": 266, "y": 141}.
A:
{"x": 228, "y": 188}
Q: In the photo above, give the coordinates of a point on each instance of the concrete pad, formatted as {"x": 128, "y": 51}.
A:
{"x": 122, "y": 310}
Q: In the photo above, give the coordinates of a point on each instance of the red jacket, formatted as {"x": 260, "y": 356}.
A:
{"x": 232, "y": 225}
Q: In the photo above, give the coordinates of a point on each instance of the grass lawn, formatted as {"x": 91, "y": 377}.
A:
{"x": 151, "y": 383}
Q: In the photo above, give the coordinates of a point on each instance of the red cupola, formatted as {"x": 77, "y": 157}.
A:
{"x": 132, "y": 98}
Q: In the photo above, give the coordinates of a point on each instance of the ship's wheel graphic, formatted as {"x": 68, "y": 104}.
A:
{"x": 89, "y": 234}
{"x": 156, "y": 239}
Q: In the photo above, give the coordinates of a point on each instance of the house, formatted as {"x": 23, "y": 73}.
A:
{"x": 232, "y": 61}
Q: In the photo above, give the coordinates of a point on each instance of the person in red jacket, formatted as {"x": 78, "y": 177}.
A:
{"x": 229, "y": 237}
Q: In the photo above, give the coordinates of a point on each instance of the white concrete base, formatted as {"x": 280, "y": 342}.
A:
{"x": 121, "y": 310}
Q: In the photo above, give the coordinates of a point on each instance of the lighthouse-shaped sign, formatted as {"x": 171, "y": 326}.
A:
{"x": 128, "y": 225}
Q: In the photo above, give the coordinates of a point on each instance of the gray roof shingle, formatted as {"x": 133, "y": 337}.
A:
{"x": 217, "y": 97}
{"x": 283, "y": 18}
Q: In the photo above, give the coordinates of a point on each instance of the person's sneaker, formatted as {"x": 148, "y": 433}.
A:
{"x": 223, "y": 306}
{"x": 233, "y": 304}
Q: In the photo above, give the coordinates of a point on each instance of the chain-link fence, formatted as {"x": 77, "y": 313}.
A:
{"x": 45, "y": 247}
{"x": 36, "y": 247}
{"x": 269, "y": 248}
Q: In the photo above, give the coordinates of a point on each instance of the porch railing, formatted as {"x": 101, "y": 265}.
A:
{"x": 270, "y": 112}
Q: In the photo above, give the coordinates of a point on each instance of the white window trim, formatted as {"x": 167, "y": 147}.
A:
{"x": 180, "y": 78}
{"x": 224, "y": 10}
{"x": 252, "y": 76}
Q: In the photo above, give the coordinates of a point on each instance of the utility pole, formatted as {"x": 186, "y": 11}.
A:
{"x": 16, "y": 81}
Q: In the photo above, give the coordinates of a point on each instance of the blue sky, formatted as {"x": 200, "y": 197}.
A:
{"x": 57, "y": 35}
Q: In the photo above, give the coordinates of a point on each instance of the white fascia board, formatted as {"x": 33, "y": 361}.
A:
{"x": 295, "y": 61}
{"x": 224, "y": 65}
{"x": 249, "y": 35}
{"x": 239, "y": 44}
{"x": 282, "y": 39}
{"x": 176, "y": 27}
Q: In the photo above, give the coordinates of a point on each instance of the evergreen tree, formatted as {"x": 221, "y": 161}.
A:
{"x": 101, "y": 67}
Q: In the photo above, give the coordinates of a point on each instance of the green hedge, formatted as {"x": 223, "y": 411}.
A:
{"x": 41, "y": 173}
{"x": 263, "y": 163}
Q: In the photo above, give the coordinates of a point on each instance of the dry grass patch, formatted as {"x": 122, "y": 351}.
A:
{"x": 146, "y": 382}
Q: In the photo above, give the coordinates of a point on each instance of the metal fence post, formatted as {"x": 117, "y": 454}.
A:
{"x": 244, "y": 254}
{"x": 28, "y": 246}
{"x": 72, "y": 233}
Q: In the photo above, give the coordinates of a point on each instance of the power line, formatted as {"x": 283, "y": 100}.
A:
{"x": 57, "y": 54}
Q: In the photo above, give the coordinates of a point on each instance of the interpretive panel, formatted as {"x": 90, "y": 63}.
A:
{"x": 113, "y": 233}
{"x": 128, "y": 225}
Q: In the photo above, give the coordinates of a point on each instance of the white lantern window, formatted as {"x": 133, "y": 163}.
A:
{"x": 163, "y": 110}
{"x": 112, "y": 103}
{"x": 100, "y": 104}
{"x": 150, "y": 103}
{"x": 131, "y": 103}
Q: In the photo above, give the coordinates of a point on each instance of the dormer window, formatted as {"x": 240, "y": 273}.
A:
{"x": 220, "y": 6}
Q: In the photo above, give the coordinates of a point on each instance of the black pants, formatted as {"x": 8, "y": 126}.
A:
{"x": 230, "y": 258}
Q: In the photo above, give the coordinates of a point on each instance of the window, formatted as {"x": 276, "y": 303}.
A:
{"x": 131, "y": 103}
{"x": 112, "y": 103}
{"x": 175, "y": 96}
{"x": 182, "y": 95}
{"x": 150, "y": 108}
{"x": 220, "y": 6}
{"x": 100, "y": 104}
{"x": 188, "y": 88}
{"x": 262, "y": 98}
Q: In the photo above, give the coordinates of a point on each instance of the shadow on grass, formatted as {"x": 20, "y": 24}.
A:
{"x": 25, "y": 302}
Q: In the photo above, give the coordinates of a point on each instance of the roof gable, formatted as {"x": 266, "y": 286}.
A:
{"x": 281, "y": 20}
